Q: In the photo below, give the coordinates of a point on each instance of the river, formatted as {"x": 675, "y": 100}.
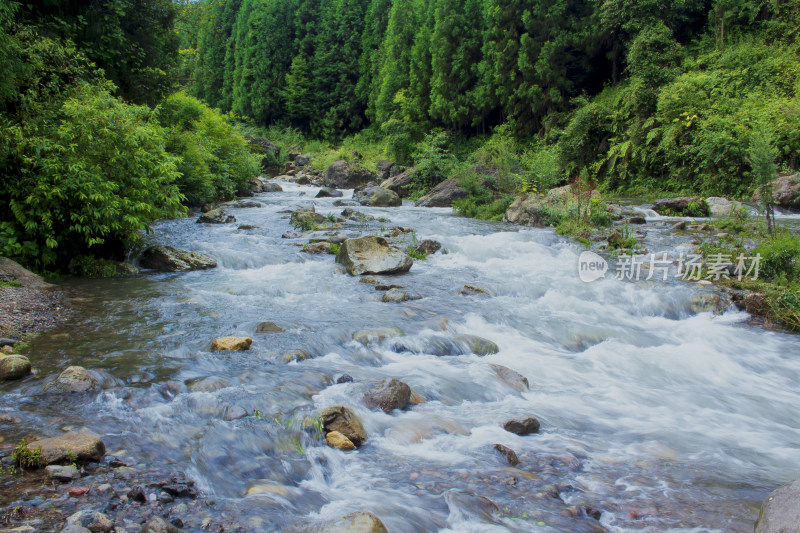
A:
{"x": 660, "y": 417}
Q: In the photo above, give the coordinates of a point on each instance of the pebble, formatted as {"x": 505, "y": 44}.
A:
{"x": 78, "y": 491}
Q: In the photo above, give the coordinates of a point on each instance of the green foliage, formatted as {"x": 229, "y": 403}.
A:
{"x": 334, "y": 248}
{"x": 89, "y": 178}
{"x": 415, "y": 254}
{"x": 780, "y": 258}
{"x": 433, "y": 162}
{"x": 24, "y": 457}
{"x": 214, "y": 159}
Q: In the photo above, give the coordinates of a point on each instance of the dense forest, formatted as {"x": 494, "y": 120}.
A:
{"x": 117, "y": 113}
{"x": 648, "y": 95}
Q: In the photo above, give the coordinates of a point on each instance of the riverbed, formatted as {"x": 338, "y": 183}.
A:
{"x": 656, "y": 414}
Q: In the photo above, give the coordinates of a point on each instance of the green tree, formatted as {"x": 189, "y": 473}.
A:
{"x": 299, "y": 94}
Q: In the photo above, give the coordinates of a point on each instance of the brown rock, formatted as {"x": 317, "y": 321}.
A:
{"x": 522, "y": 427}
{"x": 339, "y": 441}
{"x": 512, "y": 378}
{"x": 69, "y": 447}
{"x": 389, "y": 395}
{"x": 345, "y": 421}
{"x": 509, "y": 454}
{"x": 231, "y": 344}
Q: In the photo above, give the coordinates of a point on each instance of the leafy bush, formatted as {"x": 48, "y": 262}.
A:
{"x": 433, "y": 162}
{"x": 89, "y": 178}
{"x": 215, "y": 159}
{"x": 780, "y": 257}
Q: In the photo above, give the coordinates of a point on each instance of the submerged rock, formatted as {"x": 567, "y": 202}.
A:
{"x": 231, "y": 344}
{"x": 388, "y": 396}
{"x": 356, "y": 216}
{"x": 69, "y": 447}
{"x": 65, "y": 474}
{"x": 472, "y": 290}
{"x": 478, "y": 345}
{"x": 522, "y": 427}
{"x": 318, "y": 248}
{"x": 73, "y": 379}
{"x": 159, "y": 525}
{"x": 360, "y": 522}
{"x": 379, "y": 334}
{"x": 14, "y": 367}
{"x": 511, "y": 377}
{"x": 780, "y": 512}
{"x": 372, "y": 255}
{"x": 216, "y": 216}
{"x": 346, "y": 422}
{"x": 169, "y": 259}
{"x": 268, "y": 327}
{"x": 296, "y": 355}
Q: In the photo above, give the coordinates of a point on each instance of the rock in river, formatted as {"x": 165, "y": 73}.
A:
{"x": 216, "y": 216}
{"x": 395, "y": 295}
{"x": 360, "y": 522}
{"x": 511, "y": 378}
{"x": 346, "y": 422}
{"x": 231, "y": 344}
{"x": 339, "y": 441}
{"x": 388, "y": 396}
{"x": 327, "y": 192}
{"x": 73, "y": 379}
{"x": 378, "y": 197}
{"x": 169, "y": 259}
{"x": 91, "y": 520}
{"x": 522, "y": 427}
{"x": 379, "y": 334}
{"x": 372, "y": 255}
{"x": 69, "y": 447}
{"x": 477, "y": 345}
{"x": 443, "y": 195}
{"x": 780, "y": 512}
{"x": 14, "y": 367}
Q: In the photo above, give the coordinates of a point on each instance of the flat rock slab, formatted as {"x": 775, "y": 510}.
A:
{"x": 69, "y": 447}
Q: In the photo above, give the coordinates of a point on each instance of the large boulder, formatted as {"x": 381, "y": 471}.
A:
{"x": 720, "y": 207}
{"x": 14, "y": 367}
{"x": 73, "y": 379}
{"x": 780, "y": 512}
{"x": 785, "y": 191}
{"x": 169, "y": 259}
{"x": 68, "y": 448}
{"x": 360, "y": 522}
{"x": 400, "y": 184}
{"x": 346, "y": 422}
{"x": 347, "y": 175}
{"x": 216, "y": 216}
{"x": 272, "y": 187}
{"x": 11, "y": 271}
{"x": 378, "y": 197}
{"x": 443, "y": 195}
{"x": 689, "y": 206}
{"x": 372, "y": 255}
{"x": 388, "y": 396}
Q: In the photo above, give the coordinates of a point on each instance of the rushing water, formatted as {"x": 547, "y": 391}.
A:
{"x": 663, "y": 418}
